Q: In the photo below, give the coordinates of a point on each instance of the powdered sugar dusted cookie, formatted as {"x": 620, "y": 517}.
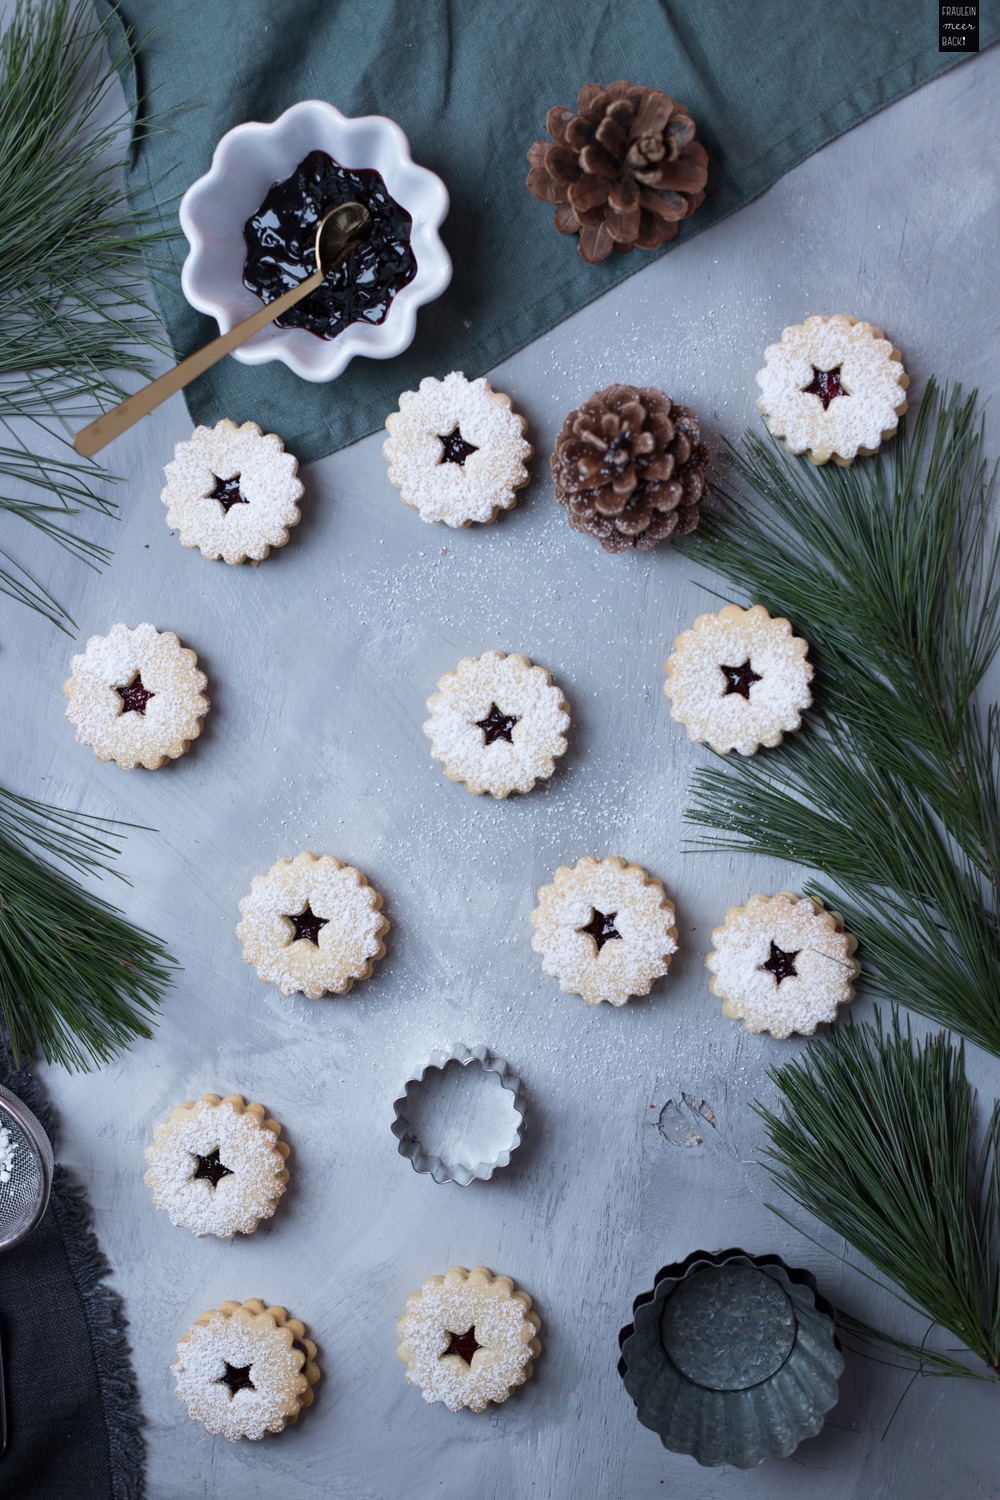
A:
{"x": 833, "y": 388}
{"x": 739, "y": 679}
{"x": 604, "y": 929}
{"x": 456, "y": 450}
{"x": 136, "y": 696}
{"x": 782, "y": 964}
{"x": 468, "y": 1338}
{"x": 498, "y": 723}
{"x": 245, "y": 1369}
{"x": 232, "y": 491}
{"x": 216, "y": 1166}
{"x": 312, "y": 926}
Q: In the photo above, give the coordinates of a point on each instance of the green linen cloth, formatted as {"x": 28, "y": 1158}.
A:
{"x": 767, "y": 81}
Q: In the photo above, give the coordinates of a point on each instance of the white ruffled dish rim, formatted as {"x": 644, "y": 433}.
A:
{"x": 248, "y": 160}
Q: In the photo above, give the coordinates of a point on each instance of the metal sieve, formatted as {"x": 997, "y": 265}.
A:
{"x": 24, "y": 1197}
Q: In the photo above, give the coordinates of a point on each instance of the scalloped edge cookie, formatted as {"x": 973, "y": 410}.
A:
{"x": 176, "y": 702}
{"x": 458, "y": 1302}
{"x": 616, "y": 967}
{"x": 527, "y": 749}
{"x": 486, "y": 480}
{"x": 268, "y": 485}
{"x": 757, "y": 940}
{"x": 266, "y": 1338}
{"x": 746, "y": 716}
{"x": 350, "y": 937}
{"x": 246, "y": 1142}
{"x": 849, "y": 426}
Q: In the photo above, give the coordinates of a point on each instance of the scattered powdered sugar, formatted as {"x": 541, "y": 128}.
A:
{"x": 811, "y": 937}
{"x": 171, "y": 718}
{"x": 236, "y": 1336}
{"x": 643, "y": 918}
{"x": 8, "y": 1147}
{"x": 518, "y": 690}
{"x": 503, "y": 1327}
{"x": 870, "y": 371}
{"x": 697, "y": 685}
{"x": 346, "y": 945}
{"x": 246, "y": 1144}
{"x": 487, "y": 480}
{"x": 268, "y": 483}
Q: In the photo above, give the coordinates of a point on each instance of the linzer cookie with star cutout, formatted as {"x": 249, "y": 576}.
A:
{"x": 244, "y": 1369}
{"x": 629, "y": 466}
{"x": 216, "y": 1166}
{"x": 456, "y": 450}
{"x": 232, "y": 491}
{"x": 498, "y": 723}
{"x": 739, "y": 679}
{"x": 312, "y": 926}
{"x": 782, "y": 964}
{"x": 136, "y": 696}
{"x": 605, "y": 930}
{"x": 834, "y": 387}
{"x": 468, "y": 1338}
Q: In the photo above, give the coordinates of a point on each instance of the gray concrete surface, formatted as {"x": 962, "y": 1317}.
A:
{"x": 319, "y": 663}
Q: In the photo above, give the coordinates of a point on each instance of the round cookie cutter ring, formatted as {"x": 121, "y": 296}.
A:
{"x": 414, "y": 1149}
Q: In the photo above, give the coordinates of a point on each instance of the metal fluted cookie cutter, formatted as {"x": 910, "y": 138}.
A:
{"x": 462, "y": 1116}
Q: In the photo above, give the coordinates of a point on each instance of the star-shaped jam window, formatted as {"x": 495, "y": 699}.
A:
{"x": 826, "y": 385}
{"x": 211, "y": 1168}
{"x": 780, "y": 964}
{"x": 307, "y": 925}
{"x": 601, "y": 928}
{"x": 237, "y": 1377}
{"x": 134, "y": 696}
{"x": 497, "y": 726}
{"x": 464, "y": 1345}
{"x": 455, "y": 450}
{"x": 739, "y": 679}
{"x": 228, "y": 493}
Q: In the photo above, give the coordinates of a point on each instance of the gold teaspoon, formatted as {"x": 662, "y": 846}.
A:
{"x": 336, "y": 233}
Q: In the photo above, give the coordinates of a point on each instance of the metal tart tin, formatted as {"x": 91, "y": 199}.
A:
{"x": 452, "y": 1120}
{"x": 731, "y": 1358}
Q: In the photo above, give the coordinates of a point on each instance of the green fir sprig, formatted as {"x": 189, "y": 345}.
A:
{"x": 78, "y": 983}
{"x": 876, "y": 1137}
{"x": 74, "y": 304}
{"x": 891, "y": 792}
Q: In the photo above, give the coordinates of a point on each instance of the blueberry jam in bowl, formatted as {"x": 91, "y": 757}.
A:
{"x": 251, "y": 222}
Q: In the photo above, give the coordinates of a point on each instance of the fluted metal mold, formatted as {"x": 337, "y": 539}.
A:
{"x": 414, "y": 1149}
{"x": 767, "y": 1418}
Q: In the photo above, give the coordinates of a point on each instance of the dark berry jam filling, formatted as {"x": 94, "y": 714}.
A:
{"x": 134, "y": 696}
{"x": 464, "y": 1345}
{"x": 211, "y": 1167}
{"x": 779, "y": 963}
{"x": 455, "y": 450}
{"x": 307, "y": 925}
{"x": 228, "y": 493}
{"x": 281, "y": 247}
{"x": 497, "y": 726}
{"x": 826, "y": 385}
{"x": 602, "y": 928}
{"x": 739, "y": 679}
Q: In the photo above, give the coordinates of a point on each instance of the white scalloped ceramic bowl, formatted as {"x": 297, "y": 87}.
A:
{"x": 247, "y": 162}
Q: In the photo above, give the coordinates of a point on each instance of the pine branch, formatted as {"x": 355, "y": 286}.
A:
{"x": 73, "y": 298}
{"x": 876, "y": 1139}
{"x": 890, "y": 570}
{"x": 78, "y": 983}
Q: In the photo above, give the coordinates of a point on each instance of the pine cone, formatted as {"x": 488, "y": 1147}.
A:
{"x": 623, "y": 171}
{"x": 629, "y": 466}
